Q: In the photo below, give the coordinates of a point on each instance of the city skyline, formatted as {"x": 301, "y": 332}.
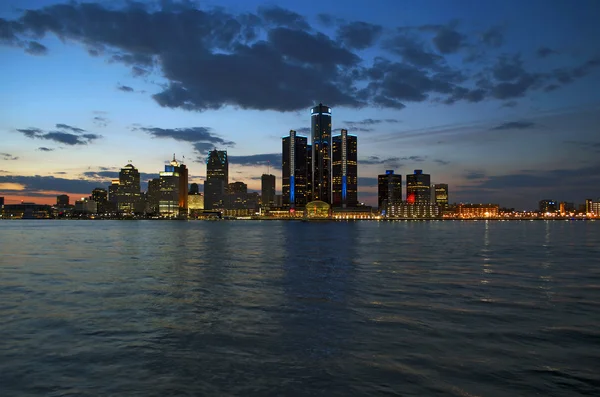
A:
{"x": 499, "y": 102}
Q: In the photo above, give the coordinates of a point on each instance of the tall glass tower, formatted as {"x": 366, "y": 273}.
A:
{"x": 321, "y": 152}
{"x": 294, "y": 170}
{"x": 418, "y": 188}
{"x": 345, "y": 170}
{"x": 217, "y": 179}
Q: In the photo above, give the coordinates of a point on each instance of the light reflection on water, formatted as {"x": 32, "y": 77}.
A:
{"x": 291, "y": 308}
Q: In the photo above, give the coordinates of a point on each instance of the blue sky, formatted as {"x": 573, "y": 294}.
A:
{"x": 498, "y": 99}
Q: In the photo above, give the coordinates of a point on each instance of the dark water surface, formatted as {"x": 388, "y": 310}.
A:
{"x": 142, "y": 308}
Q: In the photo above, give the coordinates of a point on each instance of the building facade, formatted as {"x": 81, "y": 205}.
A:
{"x": 267, "y": 182}
{"x": 441, "y": 195}
{"x": 389, "y": 191}
{"x": 172, "y": 190}
{"x": 344, "y": 178}
{"x": 217, "y": 179}
{"x": 477, "y": 210}
{"x": 547, "y": 206}
{"x": 294, "y": 171}
{"x": 321, "y": 153}
{"x": 128, "y": 192}
{"x": 418, "y": 188}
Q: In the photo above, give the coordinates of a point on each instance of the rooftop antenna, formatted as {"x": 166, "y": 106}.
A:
{"x": 268, "y": 167}
{"x": 173, "y": 156}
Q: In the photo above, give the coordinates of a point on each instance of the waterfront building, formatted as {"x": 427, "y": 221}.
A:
{"x": 85, "y": 206}
{"x": 389, "y": 191}
{"x": 317, "y": 209}
{"x": 477, "y": 210}
{"x": 62, "y": 201}
{"x": 173, "y": 190}
{"x": 217, "y": 179}
{"x": 321, "y": 153}
{"x": 418, "y": 188}
{"x": 195, "y": 202}
{"x": 1, "y": 202}
{"x": 100, "y": 197}
{"x": 414, "y": 210}
{"x": 294, "y": 170}
{"x": 547, "y": 206}
{"x": 267, "y": 190}
{"x": 194, "y": 189}
{"x": 344, "y": 170}
{"x": 128, "y": 192}
{"x": 441, "y": 195}
{"x": 26, "y": 211}
{"x": 588, "y": 205}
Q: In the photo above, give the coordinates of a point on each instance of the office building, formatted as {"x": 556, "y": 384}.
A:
{"x": 62, "y": 200}
{"x": 321, "y": 153}
{"x": 309, "y": 177}
{"x": 1, "y": 202}
{"x": 441, "y": 195}
{"x": 173, "y": 190}
{"x": 294, "y": 170}
{"x": 588, "y": 205}
{"x": 153, "y": 196}
{"x": 100, "y": 197}
{"x": 113, "y": 192}
{"x": 85, "y": 206}
{"x": 267, "y": 190}
{"x": 217, "y": 179}
{"x": 195, "y": 202}
{"x": 416, "y": 210}
{"x": 194, "y": 189}
{"x": 128, "y": 192}
{"x": 547, "y": 206}
{"x": 344, "y": 170}
{"x": 389, "y": 191}
{"x": 418, "y": 188}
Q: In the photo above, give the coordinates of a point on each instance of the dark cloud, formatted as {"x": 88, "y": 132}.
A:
{"x": 8, "y": 156}
{"x": 35, "y": 48}
{"x": 67, "y": 138}
{"x": 202, "y": 138}
{"x": 30, "y": 132}
{"x": 493, "y": 37}
{"x": 448, "y": 40}
{"x": 70, "y": 128}
{"x": 125, "y": 88}
{"x": 100, "y": 121}
{"x": 514, "y": 125}
{"x": 281, "y": 17}
{"x": 45, "y": 149}
{"x": 39, "y": 184}
{"x": 376, "y": 160}
{"x": 544, "y": 52}
{"x": 353, "y": 124}
{"x": 508, "y": 68}
{"x": 472, "y": 175}
{"x": 413, "y": 51}
{"x": 586, "y": 145}
{"x": 257, "y": 160}
{"x": 551, "y": 87}
{"x": 509, "y": 104}
{"x": 303, "y": 130}
{"x": 359, "y": 35}
{"x": 441, "y": 162}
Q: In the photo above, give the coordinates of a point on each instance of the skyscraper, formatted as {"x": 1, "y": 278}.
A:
{"x": 153, "y": 196}
{"x": 100, "y": 196}
{"x": 128, "y": 193}
{"x": 389, "y": 191}
{"x": 418, "y": 188}
{"x": 173, "y": 190}
{"x": 441, "y": 194}
{"x": 345, "y": 170}
{"x": 267, "y": 190}
{"x": 321, "y": 153}
{"x": 294, "y": 170}
{"x": 217, "y": 179}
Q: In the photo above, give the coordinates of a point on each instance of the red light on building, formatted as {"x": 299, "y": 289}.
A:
{"x": 410, "y": 199}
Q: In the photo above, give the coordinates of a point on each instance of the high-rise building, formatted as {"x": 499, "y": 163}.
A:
{"x": 344, "y": 170}
{"x": 267, "y": 190}
{"x": 217, "y": 179}
{"x": 418, "y": 188}
{"x": 173, "y": 188}
{"x": 113, "y": 192}
{"x": 546, "y": 206}
{"x": 441, "y": 194}
{"x": 100, "y": 196}
{"x": 309, "y": 177}
{"x": 389, "y": 191}
{"x": 62, "y": 200}
{"x": 321, "y": 153}
{"x": 129, "y": 194}
{"x": 153, "y": 196}
{"x": 1, "y": 202}
{"x": 194, "y": 189}
{"x": 294, "y": 170}
{"x": 588, "y": 205}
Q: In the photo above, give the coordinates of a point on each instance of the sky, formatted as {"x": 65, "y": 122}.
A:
{"x": 498, "y": 99}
